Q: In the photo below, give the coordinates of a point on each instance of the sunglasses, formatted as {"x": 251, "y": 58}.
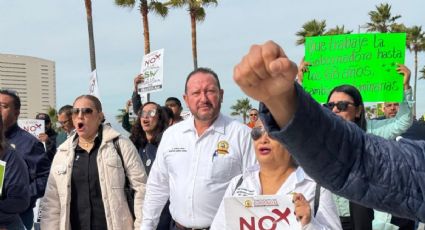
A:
{"x": 150, "y": 113}
{"x": 340, "y": 105}
{"x": 84, "y": 111}
{"x": 253, "y": 114}
{"x": 257, "y": 133}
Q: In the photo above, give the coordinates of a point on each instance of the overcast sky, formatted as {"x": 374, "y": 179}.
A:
{"x": 57, "y": 30}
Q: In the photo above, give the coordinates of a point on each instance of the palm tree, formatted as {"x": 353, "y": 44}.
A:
{"x": 382, "y": 21}
{"x": 338, "y": 30}
{"x": 145, "y": 8}
{"x": 310, "y": 29}
{"x": 241, "y": 108}
{"x": 53, "y": 117}
{"x": 197, "y": 14}
{"x": 415, "y": 42}
{"x": 91, "y": 35}
{"x": 423, "y": 73}
{"x": 120, "y": 115}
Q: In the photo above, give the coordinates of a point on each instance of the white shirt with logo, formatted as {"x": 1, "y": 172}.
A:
{"x": 194, "y": 171}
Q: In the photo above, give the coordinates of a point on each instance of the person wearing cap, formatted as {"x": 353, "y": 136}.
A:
{"x": 29, "y": 148}
{"x": 49, "y": 136}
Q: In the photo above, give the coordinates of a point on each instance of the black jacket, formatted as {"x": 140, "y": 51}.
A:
{"x": 31, "y": 150}
{"x": 15, "y": 196}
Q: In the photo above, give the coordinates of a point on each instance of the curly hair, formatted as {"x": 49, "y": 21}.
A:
{"x": 138, "y": 135}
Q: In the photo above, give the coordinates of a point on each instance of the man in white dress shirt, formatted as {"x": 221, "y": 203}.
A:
{"x": 197, "y": 158}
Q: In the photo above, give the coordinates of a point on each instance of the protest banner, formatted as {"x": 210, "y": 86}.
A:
{"x": 152, "y": 70}
{"x": 33, "y": 126}
{"x": 366, "y": 61}
{"x": 260, "y": 212}
{"x": 2, "y": 171}
{"x": 94, "y": 85}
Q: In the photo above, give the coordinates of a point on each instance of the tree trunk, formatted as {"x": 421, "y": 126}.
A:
{"x": 145, "y": 22}
{"x": 194, "y": 52}
{"x": 416, "y": 81}
{"x": 91, "y": 35}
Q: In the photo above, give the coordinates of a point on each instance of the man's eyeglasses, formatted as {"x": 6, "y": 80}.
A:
{"x": 150, "y": 113}
{"x": 253, "y": 114}
{"x": 340, "y": 105}
{"x": 84, "y": 111}
{"x": 62, "y": 123}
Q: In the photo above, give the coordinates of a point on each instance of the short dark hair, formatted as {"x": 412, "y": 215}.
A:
{"x": 202, "y": 70}
{"x": 175, "y": 99}
{"x": 12, "y": 93}
{"x": 66, "y": 109}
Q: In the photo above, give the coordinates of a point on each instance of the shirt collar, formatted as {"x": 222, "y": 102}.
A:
{"x": 218, "y": 125}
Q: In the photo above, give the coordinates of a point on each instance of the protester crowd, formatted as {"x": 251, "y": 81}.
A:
{"x": 174, "y": 173}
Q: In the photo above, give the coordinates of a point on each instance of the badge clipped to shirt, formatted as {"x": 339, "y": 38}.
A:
{"x": 222, "y": 149}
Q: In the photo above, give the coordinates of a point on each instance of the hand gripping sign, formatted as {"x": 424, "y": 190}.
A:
{"x": 267, "y": 212}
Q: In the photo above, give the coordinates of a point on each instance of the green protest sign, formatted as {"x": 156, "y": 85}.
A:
{"x": 367, "y": 61}
{"x": 2, "y": 172}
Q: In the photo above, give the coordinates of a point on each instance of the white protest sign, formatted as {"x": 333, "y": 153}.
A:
{"x": 94, "y": 85}
{"x": 152, "y": 71}
{"x": 260, "y": 212}
{"x": 33, "y": 126}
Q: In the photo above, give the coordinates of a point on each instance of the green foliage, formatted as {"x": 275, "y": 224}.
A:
{"x": 423, "y": 73}
{"x": 241, "y": 108}
{"x": 382, "y": 21}
{"x": 120, "y": 115}
{"x": 415, "y": 39}
{"x": 338, "y": 30}
{"x": 310, "y": 29}
{"x": 53, "y": 114}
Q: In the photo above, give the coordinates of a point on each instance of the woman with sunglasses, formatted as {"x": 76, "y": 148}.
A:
{"x": 278, "y": 174}
{"x": 146, "y": 134}
{"x": 346, "y": 102}
{"x": 87, "y": 181}
{"x": 15, "y": 196}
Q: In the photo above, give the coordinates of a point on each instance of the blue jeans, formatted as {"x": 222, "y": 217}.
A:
{"x": 27, "y": 218}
